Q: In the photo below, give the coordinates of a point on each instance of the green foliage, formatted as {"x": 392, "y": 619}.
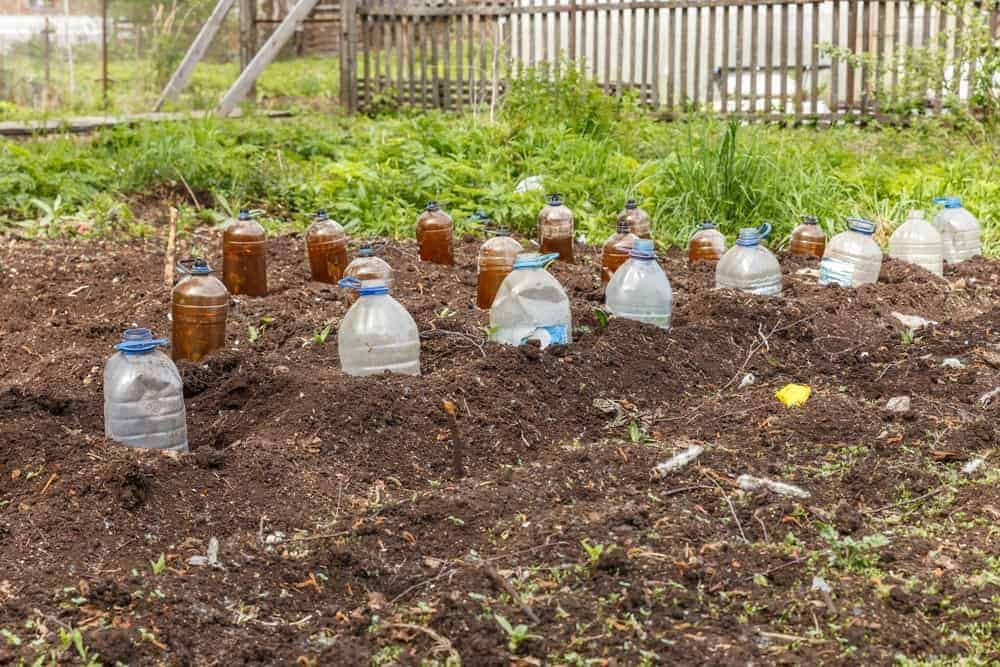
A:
{"x": 159, "y": 565}
{"x": 516, "y": 634}
{"x": 373, "y": 175}
{"x": 853, "y": 555}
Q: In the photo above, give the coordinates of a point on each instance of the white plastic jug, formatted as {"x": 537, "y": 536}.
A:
{"x": 852, "y": 258}
{"x": 749, "y": 266}
{"x": 961, "y": 235}
{"x": 917, "y": 242}
{"x": 144, "y": 395}
{"x": 531, "y": 305}
{"x": 378, "y": 334}
{"x": 639, "y": 289}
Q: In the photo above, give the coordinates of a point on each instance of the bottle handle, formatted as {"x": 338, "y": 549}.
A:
{"x": 764, "y": 230}
{"x": 183, "y": 265}
{"x": 547, "y": 258}
{"x": 350, "y": 282}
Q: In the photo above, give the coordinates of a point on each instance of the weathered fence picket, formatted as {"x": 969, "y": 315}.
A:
{"x": 748, "y": 58}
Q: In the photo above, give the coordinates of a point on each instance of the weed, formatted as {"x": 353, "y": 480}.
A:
{"x": 906, "y": 337}
{"x": 594, "y": 551}
{"x": 319, "y": 337}
{"x": 852, "y": 555}
{"x": 159, "y": 565}
{"x": 516, "y": 634}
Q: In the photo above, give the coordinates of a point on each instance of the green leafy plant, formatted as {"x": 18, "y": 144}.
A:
{"x": 319, "y": 337}
{"x": 159, "y": 565}
{"x": 594, "y": 551}
{"x": 850, "y": 554}
{"x": 906, "y": 337}
{"x": 516, "y": 634}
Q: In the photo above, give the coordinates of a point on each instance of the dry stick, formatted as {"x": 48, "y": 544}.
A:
{"x": 168, "y": 267}
{"x": 442, "y": 644}
{"x": 458, "y": 460}
{"x": 502, "y": 583}
{"x": 732, "y": 509}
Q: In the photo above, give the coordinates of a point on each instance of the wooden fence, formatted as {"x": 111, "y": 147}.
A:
{"x": 762, "y": 58}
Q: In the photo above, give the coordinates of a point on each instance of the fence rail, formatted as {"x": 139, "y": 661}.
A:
{"x": 767, "y": 58}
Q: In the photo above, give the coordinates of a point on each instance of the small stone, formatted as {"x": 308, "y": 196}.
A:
{"x": 747, "y": 380}
{"x": 898, "y": 404}
{"x": 952, "y": 362}
{"x": 912, "y": 321}
{"x": 972, "y": 466}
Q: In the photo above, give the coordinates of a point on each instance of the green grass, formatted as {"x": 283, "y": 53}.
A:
{"x": 375, "y": 173}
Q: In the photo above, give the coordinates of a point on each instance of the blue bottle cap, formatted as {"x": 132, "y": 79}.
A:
{"x": 244, "y": 214}
{"x": 137, "y": 341}
{"x": 708, "y": 224}
{"x": 949, "y": 202}
{"x": 642, "y": 249}
{"x": 861, "y": 226}
{"x": 532, "y": 260}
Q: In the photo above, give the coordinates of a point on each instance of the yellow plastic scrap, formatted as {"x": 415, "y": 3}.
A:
{"x": 793, "y": 394}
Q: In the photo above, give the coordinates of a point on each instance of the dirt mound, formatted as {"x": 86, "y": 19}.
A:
{"x": 327, "y": 519}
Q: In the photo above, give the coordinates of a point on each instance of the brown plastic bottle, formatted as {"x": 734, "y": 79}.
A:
{"x": 637, "y": 219}
{"x": 326, "y": 248}
{"x": 199, "y": 307}
{"x": 495, "y": 261}
{"x": 435, "y": 230}
{"x": 616, "y": 249}
{"x": 367, "y": 267}
{"x": 244, "y": 257}
{"x": 808, "y": 239}
{"x": 555, "y": 228}
{"x": 707, "y": 244}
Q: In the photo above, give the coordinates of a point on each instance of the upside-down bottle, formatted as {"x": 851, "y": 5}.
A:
{"x": 917, "y": 242}
{"x": 615, "y": 251}
{"x": 852, "y": 258}
{"x": 495, "y": 261}
{"x": 640, "y": 290}
{"x": 637, "y": 219}
{"x": 377, "y": 334}
{"x": 144, "y": 395}
{"x": 435, "y": 230}
{"x": 707, "y": 244}
{"x": 531, "y": 305}
{"x": 961, "y": 234}
{"x": 748, "y": 266}
{"x": 555, "y": 228}
{"x": 199, "y": 307}
{"x": 808, "y": 239}
{"x": 244, "y": 257}
{"x": 326, "y": 248}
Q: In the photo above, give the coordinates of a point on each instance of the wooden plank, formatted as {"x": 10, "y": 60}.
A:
{"x": 656, "y": 58}
{"x": 434, "y": 25}
{"x": 783, "y": 56}
{"x": 683, "y": 79}
{"x": 671, "y": 55}
{"x": 634, "y": 40}
{"x": 484, "y": 48}
{"x": 959, "y": 77}
{"x": 852, "y": 47}
{"x": 738, "y": 92}
{"x": 814, "y": 94}
{"x": 866, "y": 28}
{"x": 473, "y": 45}
{"x": 897, "y": 40}
{"x": 87, "y": 124}
{"x": 400, "y": 62}
{"x": 754, "y": 46}
{"x": 621, "y": 49}
{"x": 545, "y": 35}
{"x": 557, "y": 41}
{"x": 366, "y": 57}
{"x": 195, "y": 53}
{"x": 459, "y": 27}
{"x": 835, "y": 62}
{"x": 573, "y": 56}
{"x": 531, "y": 37}
{"x": 925, "y": 35}
{"x": 646, "y": 28}
{"x": 423, "y": 39}
{"x": 248, "y": 32}
{"x": 595, "y": 18}
{"x": 607, "y": 50}
{"x": 768, "y": 58}
{"x": 410, "y": 36}
{"x": 245, "y": 81}
{"x": 724, "y": 69}
{"x": 696, "y": 96}
{"x": 941, "y": 47}
{"x": 710, "y": 58}
{"x": 800, "y": 69}
{"x": 880, "y": 40}
{"x": 446, "y": 79}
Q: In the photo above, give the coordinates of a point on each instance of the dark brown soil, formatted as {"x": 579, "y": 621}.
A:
{"x": 345, "y": 536}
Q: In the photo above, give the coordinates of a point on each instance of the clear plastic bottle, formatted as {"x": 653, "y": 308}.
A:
{"x": 496, "y": 259}
{"x": 199, "y": 306}
{"x": 435, "y": 232}
{"x": 144, "y": 395}
{"x": 326, "y": 249}
{"x": 531, "y": 305}
{"x": 640, "y": 290}
{"x": 377, "y": 334}
{"x": 637, "y": 220}
{"x": 749, "y": 266}
{"x": 244, "y": 257}
{"x": 368, "y": 268}
{"x": 555, "y": 228}
{"x": 961, "y": 234}
{"x": 615, "y": 251}
{"x": 808, "y": 239}
{"x": 852, "y": 258}
{"x": 917, "y": 242}
{"x": 707, "y": 244}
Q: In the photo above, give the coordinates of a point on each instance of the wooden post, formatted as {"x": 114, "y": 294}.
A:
{"x": 104, "y": 53}
{"x": 267, "y": 53}
{"x": 195, "y": 53}
{"x": 248, "y": 32}
{"x": 47, "y": 54}
{"x": 348, "y": 51}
